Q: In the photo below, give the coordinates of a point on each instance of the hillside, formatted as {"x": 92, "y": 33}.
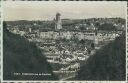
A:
{"x": 22, "y": 56}
{"x": 107, "y": 64}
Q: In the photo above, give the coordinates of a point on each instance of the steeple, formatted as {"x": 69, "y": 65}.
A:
{"x": 58, "y": 23}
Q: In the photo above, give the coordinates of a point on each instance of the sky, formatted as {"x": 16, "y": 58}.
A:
{"x": 46, "y": 10}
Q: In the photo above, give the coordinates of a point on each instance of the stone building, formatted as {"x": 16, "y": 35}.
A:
{"x": 58, "y": 23}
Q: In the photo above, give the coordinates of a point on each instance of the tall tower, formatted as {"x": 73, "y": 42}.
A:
{"x": 58, "y": 23}
{"x": 95, "y": 37}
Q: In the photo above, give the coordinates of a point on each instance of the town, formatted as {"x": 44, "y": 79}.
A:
{"x": 68, "y": 43}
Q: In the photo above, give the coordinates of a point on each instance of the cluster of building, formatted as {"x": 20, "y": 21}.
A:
{"x": 59, "y": 51}
{"x": 67, "y": 35}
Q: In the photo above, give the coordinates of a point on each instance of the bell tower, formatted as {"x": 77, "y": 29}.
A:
{"x": 95, "y": 37}
{"x": 58, "y": 23}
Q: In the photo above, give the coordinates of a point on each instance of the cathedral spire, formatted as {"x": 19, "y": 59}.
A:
{"x": 58, "y": 23}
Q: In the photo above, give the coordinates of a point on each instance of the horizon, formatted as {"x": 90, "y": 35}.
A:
{"x": 71, "y": 19}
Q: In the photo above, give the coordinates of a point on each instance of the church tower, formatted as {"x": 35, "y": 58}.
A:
{"x": 58, "y": 23}
{"x": 95, "y": 37}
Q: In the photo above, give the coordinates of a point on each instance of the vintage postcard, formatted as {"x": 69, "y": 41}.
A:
{"x": 63, "y": 41}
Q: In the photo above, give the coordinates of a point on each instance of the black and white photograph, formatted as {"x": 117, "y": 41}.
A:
{"x": 64, "y": 41}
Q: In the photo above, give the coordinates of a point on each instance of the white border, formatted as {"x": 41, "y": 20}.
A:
{"x": 50, "y": 81}
{"x": 1, "y": 42}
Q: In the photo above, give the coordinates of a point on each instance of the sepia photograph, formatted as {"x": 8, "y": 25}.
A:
{"x": 64, "y": 41}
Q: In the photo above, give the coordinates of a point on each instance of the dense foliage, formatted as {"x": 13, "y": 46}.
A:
{"x": 22, "y": 56}
{"x": 107, "y": 26}
{"x": 107, "y": 64}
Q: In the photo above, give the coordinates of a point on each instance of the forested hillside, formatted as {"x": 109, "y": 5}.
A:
{"x": 107, "y": 64}
{"x": 22, "y": 56}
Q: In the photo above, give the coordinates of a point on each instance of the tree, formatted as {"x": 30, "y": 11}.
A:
{"x": 22, "y": 56}
{"x": 107, "y": 26}
{"x": 92, "y": 45}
